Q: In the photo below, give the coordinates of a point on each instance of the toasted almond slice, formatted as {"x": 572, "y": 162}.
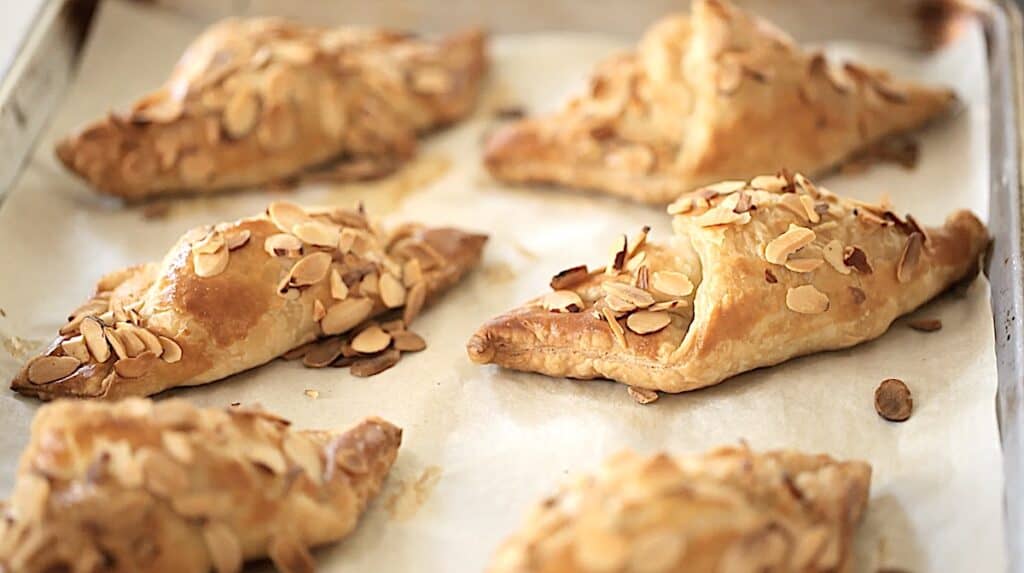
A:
{"x": 393, "y": 326}
{"x": 616, "y": 328}
{"x": 149, "y": 339}
{"x": 310, "y": 269}
{"x": 672, "y": 283}
{"x": 562, "y": 301}
{"x": 347, "y": 239}
{"x": 172, "y": 352}
{"x": 806, "y": 299}
{"x": 133, "y": 345}
{"x": 412, "y": 272}
{"x": 642, "y": 395}
{"x": 643, "y": 278}
{"x": 856, "y": 258}
{"x": 240, "y": 113}
{"x": 833, "y": 253}
{"x": 779, "y": 248}
{"x": 373, "y": 365}
{"x": 75, "y": 347}
{"x": 722, "y": 216}
{"x": 570, "y": 278}
{"x": 237, "y": 238}
{"x": 318, "y": 310}
{"x": 793, "y": 203}
{"x": 92, "y": 332}
{"x": 343, "y": 315}
{"x": 770, "y": 183}
{"x": 46, "y": 369}
{"x": 617, "y": 258}
{"x": 414, "y": 300}
{"x": 618, "y": 305}
{"x": 317, "y": 233}
{"x": 371, "y": 340}
{"x": 803, "y": 265}
{"x": 638, "y": 242}
{"x": 323, "y": 352}
{"x": 134, "y": 367}
{"x": 806, "y": 185}
{"x": 723, "y": 188}
{"x": 407, "y": 341}
{"x": 635, "y": 261}
{"x": 210, "y": 265}
{"x": 392, "y": 293}
{"x": 283, "y": 245}
{"x": 648, "y": 322}
{"x": 668, "y": 305}
{"x": 681, "y": 205}
{"x": 370, "y": 285}
{"x": 809, "y": 209}
{"x": 115, "y": 342}
{"x": 629, "y": 293}
{"x": 209, "y": 244}
{"x": 285, "y": 215}
{"x": 223, "y": 546}
{"x": 910, "y": 256}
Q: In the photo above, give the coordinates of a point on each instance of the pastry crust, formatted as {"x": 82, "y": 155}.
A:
{"x": 231, "y": 297}
{"x": 715, "y": 95}
{"x": 169, "y": 488}
{"x": 724, "y": 511}
{"x": 258, "y": 101}
{"x": 738, "y": 290}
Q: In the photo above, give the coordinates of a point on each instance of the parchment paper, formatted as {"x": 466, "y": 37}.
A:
{"x": 483, "y": 444}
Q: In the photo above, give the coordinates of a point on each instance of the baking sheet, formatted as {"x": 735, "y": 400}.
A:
{"x": 483, "y": 444}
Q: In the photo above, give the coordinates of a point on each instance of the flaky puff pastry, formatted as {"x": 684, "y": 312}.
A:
{"x": 715, "y": 95}
{"x": 169, "y": 488}
{"x": 260, "y": 100}
{"x": 727, "y": 511}
{"x": 757, "y": 273}
{"x": 233, "y": 296}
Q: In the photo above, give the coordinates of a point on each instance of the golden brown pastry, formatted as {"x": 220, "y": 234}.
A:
{"x": 729, "y": 510}
{"x": 233, "y": 296}
{"x": 715, "y": 95}
{"x": 756, "y": 273}
{"x": 165, "y": 487}
{"x": 257, "y": 101}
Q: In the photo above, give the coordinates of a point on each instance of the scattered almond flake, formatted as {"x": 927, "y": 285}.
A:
{"x": 344, "y": 315}
{"x": 770, "y": 183}
{"x": 286, "y": 215}
{"x": 373, "y": 365}
{"x": 311, "y": 394}
{"x": 95, "y": 339}
{"x": 370, "y": 285}
{"x": 720, "y": 216}
{"x": 809, "y": 211}
{"x": 310, "y": 269}
{"x": 795, "y": 238}
{"x": 793, "y": 203}
{"x": 408, "y": 341}
{"x": 909, "y": 258}
{"x": 282, "y": 245}
{"x": 562, "y": 301}
{"x": 805, "y": 184}
{"x": 210, "y": 265}
{"x": 412, "y": 272}
{"x": 617, "y": 258}
{"x": 925, "y": 324}
{"x": 317, "y": 233}
{"x": 392, "y": 293}
{"x": 770, "y": 277}
{"x": 681, "y": 206}
{"x": 744, "y": 203}
{"x": 635, "y": 261}
{"x": 833, "y": 253}
{"x": 570, "y": 278}
{"x": 150, "y": 340}
{"x": 638, "y": 242}
{"x": 237, "y": 238}
{"x": 648, "y": 322}
{"x": 667, "y": 305}
{"x": 893, "y": 401}
{"x": 414, "y": 302}
{"x": 643, "y": 278}
{"x": 672, "y": 283}
{"x": 404, "y": 503}
{"x": 347, "y": 239}
{"x": 857, "y": 294}
{"x": 618, "y": 305}
{"x": 806, "y": 299}
{"x": 75, "y": 347}
{"x": 856, "y": 258}
{"x": 46, "y": 369}
{"x": 339, "y": 290}
{"x": 615, "y": 327}
{"x": 115, "y": 342}
{"x": 209, "y": 244}
{"x": 318, "y": 310}
{"x": 803, "y": 265}
{"x": 870, "y": 218}
{"x": 634, "y": 296}
{"x": 642, "y": 395}
{"x": 371, "y": 340}
{"x": 324, "y": 352}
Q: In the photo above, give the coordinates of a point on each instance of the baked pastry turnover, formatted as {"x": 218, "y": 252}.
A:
{"x": 260, "y": 100}
{"x": 168, "y": 488}
{"x": 233, "y": 296}
{"x": 756, "y": 273}
{"x": 715, "y": 95}
{"x": 724, "y": 511}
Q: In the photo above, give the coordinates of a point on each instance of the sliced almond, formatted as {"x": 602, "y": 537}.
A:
{"x": 638, "y": 241}
{"x": 339, "y": 290}
{"x": 285, "y": 215}
{"x": 562, "y": 301}
{"x": 210, "y": 265}
{"x": 806, "y": 300}
{"x": 310, "y": 269}
{"x": 412, "y": 272}
{"x": 643, "y": 278}
{"x": 375, "y": 364}
{"x": 744, "y": 203}
{"x": 810, "y": 210}
{"x": 240, "y": 113}
{"x": 681, "y": 205}
{"x": 617, "y": 260}
{"x": 407, "y": 341}
{"x": 629, "y": 293}
{"x": 76, "y": 348}
{"x": 925, "y": 324}
{"x": 618, "y": 305}
{"x": 722, "y": 188}
{"x": 237, "y": 238}
{"x": 668, "y": 305}
{"x": 635, "y": 261}
{"x": 317, "y": 233}
{"x": 224, "y": 547}
{"x": 150, "y": 340}
{"x": 95, "y": 340}
{"x": 318, "y": 310}
{"x": 856, "y": 258}
{"x": 672, "y": 283}
{"x": 795, "y": 238}
{"x": 115, "y": 342}
{"x": 393, "y": 326}
{"x": 172, "y": 352}
{"x": 414, "y": 302}
{"x": 570, "y": 278}
{"x": 46, "y": 369}
{"x": 721, "y": 216}
{"x": 283, "y": 245}
{"x": 803, "y": 265}
{"x": 133, "y": 345}
{"x": 209, "y": 244}
{"x": 343, "y": 315}
{"x": 910, "y": 257}
{"x": 643, "y": 396}
{"x": 647, "y": 322}
{"x": 347, "y": 239}
{"x": 805, "y": 184}
{"x": 371, "y": 340}
{"x": 370, "y": 285}
{"x": 770, "y": 183}
{"x": 833, "y": 253}
{"x": 322, "y": 353}
{"x": 392, "y": 293}
{"x": 791, "y": 202}
{"x": 616, "y": 328}
{"x": 134, "y": 367}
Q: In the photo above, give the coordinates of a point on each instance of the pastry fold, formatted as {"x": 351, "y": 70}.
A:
{"x": 168, "y": 488}
{"x": 727, "y": 510}
{"x": 258, "y": 101}
{"x": 718, "y": 94}
{"x": 233, "y": 296}
{"x": 756, "y": 273}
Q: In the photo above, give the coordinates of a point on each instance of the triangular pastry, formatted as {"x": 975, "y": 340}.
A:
{"x": 715, "y": 95}
{"x": 230, "y": 297}
{"x": 727, "y": 510}
{"x": 257, "y": 101}
{"x": 757, "y": 273}
{"x": 168, "y": 488}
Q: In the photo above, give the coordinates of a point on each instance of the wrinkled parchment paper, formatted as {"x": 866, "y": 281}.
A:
{"x": 483, "y": 444}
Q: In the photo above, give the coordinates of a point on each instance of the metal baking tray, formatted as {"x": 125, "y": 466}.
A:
{"x": 45, "y": 65}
